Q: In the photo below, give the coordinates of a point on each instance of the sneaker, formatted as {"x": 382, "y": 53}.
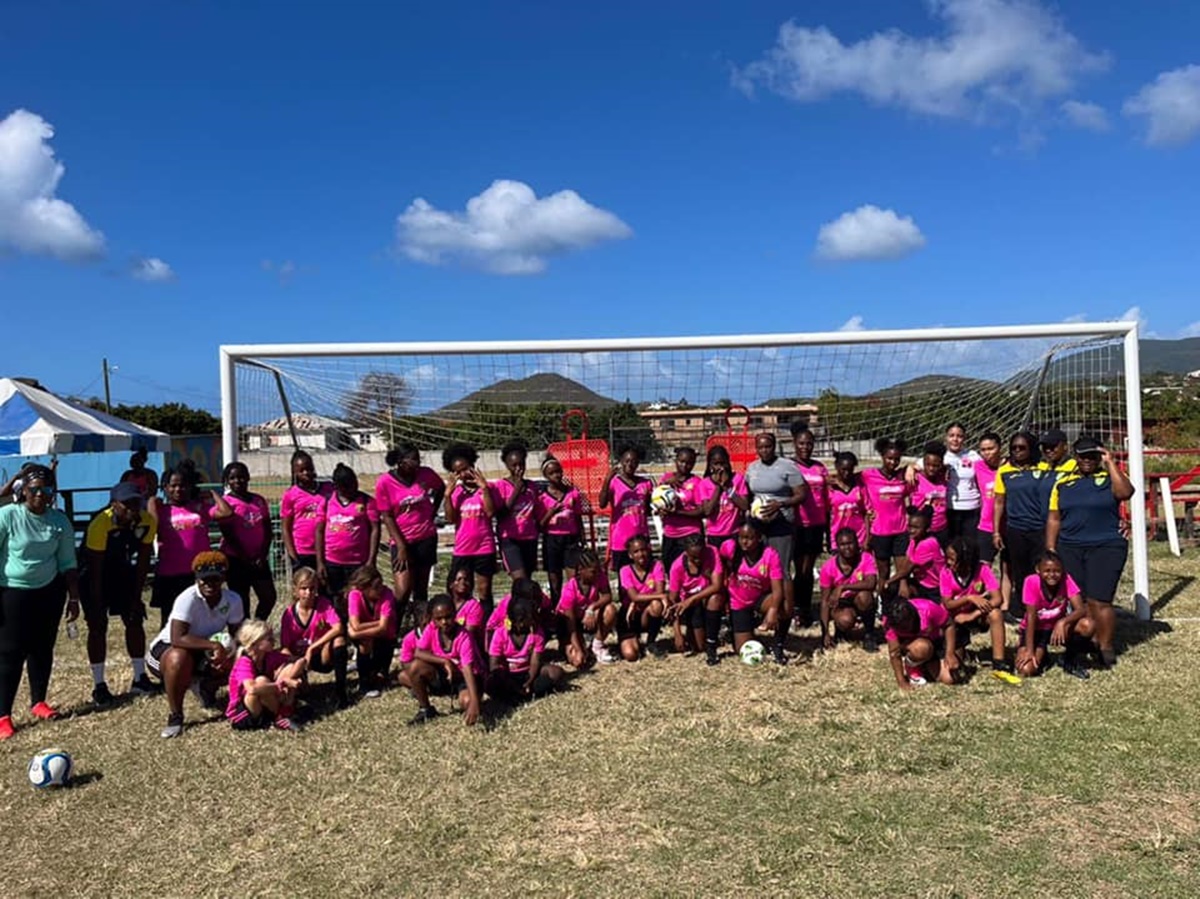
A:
{"x": 779, "y": 655}
{"x": 602, "y": 654}
{"x": 174, "y": 727}
{"x": 423, "y": 715}
{"x": 6, "y": 727}
{"x": 870, "y": 642}
{"x": 656, "y": 649}
{"x": 142, "y": 686}
{"x": 284, "y": 723}
{"x": 344, "y": 702}
{"x": 370, "y": 694}
{"x": 1007, "y": 676}
{"x": 1073, "y": 668}
{"x": 206, "y": 695}
{"x": 44, "y": 710}
{"x": 711, "y": 658}
{"x": 915, "y": 677}
{"x": 102, "y": 697}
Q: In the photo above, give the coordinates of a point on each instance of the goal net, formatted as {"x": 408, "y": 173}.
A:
{"x": 850, "y": 388}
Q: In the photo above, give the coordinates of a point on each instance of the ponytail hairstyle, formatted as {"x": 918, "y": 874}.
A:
{"x": 185, "y": 470}
{"x": 966, "y": 556}
{"x": 689, "y": 542}
{"x": 364, "y": 576}
{"x": 399, "y": 451}
{"x": 303, "y": 575}
{"x": 343, "y": 477}
{"x": 739, "y": 554}
{"x": 298, "y": 456}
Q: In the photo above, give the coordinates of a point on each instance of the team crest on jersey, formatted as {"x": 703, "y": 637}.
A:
{"x": 1036, "y": 475}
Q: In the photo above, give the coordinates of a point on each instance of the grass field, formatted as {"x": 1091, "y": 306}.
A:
{"x": 660, "y": 778}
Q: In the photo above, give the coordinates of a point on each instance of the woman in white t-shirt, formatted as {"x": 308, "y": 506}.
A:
{"x": 962, "y": 496}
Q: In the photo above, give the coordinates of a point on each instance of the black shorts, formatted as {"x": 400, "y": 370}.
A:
{"x": 159, "y": 648}
{"x": 1041, "y": 638}
{"x": 888, "y": 546}
{"x": 303, "y": 560}
{"x": 118, "y": 594}
{"x": 444, "y": 686}
{"x": 484, "y": 565}
{"x": 694, "y": 617}
{"x": 1096, "y": 569}
{"x": 507, "y": 686}
{"x": 243, "y": 577}
{"x": 167, "y": 587}
{"x": 618, "y": 559}
{"x": 745, "y": 620}
{"x": 716, "y": 541}
{"x": 337, "y": 577}
{"x": 241, "y": 719}
{"x": 963, "y": 522}
{"x": 629, "y": 627}
{"x": 519, "y": 555}
{"x": 422, "y": 553}
{"x": 987, "y": 549}
{"x": 672, "y": 549}
{"x": 810, "y": 539}
{"x": 560, "y": 552}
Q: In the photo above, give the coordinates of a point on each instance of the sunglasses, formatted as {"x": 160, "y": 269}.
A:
{"x": 41, "y": 491}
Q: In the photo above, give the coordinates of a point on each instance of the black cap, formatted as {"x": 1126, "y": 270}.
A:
{"x": 125, "y": 492}
{"x": 1086, "y": 446}
{"x": 1053, "y": 437}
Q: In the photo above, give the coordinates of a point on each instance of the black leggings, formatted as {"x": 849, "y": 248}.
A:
{"x": 373, "y": 667}
{"x": 1022, "y": 549}
{"x": 28, "y": 629}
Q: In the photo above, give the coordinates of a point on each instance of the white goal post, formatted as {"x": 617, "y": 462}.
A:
{"x": 926, "y": 352}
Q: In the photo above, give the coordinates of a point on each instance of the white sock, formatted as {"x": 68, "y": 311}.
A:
{"x": 139, "y": 668}
{"x": 98, "y": 673}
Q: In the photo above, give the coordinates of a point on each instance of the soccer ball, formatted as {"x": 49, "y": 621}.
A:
{"x": 752, "y": 652}
{"x": 224, "y": 639}
{"x": 664, "y": 498}
{"x": 757, "y": 505}
{"x": 51, "y": 768}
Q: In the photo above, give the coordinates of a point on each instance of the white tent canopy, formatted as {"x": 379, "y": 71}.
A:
{"x": 35, "y": 422}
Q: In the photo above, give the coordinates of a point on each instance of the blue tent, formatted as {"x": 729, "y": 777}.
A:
{"x": 34, "y": 422}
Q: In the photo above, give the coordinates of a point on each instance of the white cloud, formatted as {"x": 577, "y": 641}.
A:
{"x": 1192, "y": 330}
{"x": 506, "y": 230}
{"x": 1088, "y": 116}
{"x": 853, "y": 323}
{"x": 1135, "y": 314}
{"x": 285, "y": 270}
{"x": 992, "y": 54}
{"x": 32, "y": 218}
{"x": 868, "y": 233}
{"x": 152, "y": 269}
{"x": 1170, "y": 105}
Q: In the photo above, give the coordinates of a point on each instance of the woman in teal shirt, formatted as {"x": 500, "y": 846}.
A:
{"x": 37, "y": 570}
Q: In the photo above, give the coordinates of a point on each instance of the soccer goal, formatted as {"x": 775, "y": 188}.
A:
{"x": 849, "y": 387}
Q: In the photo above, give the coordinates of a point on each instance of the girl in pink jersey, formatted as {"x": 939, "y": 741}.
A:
{"x": 246, "y": 541}
{"x": 919, "y": 571}
{"x": 585, "y": 610}
{"x": 847, "y": 499}
{"x": 561, "y": 523}
{"x": 724, "y": 497}
{"x": 627, "y": 496}
{"x": 971, "y": 594}
{"x": 408, "y": 495}
{"x": 518, "y": 513}
{"x": 848, "y": 586}
{"x": 347, "y": 533}
{"x": 446, "y": 662}
{"x": 686, "y": 516}
{"x": 812, "y": 520}
{"x": 408, "y": 645}
{"x": 182, "y": 520}
{"x": 694, "y": 587}
{"x": 515, "y": 669}
{"x": 471, "y": 508}
{"x": 373, "y": 621}
{"x": 311, "y": 629}
{"x": 543, "y": 607}
{"x": 930, "y": 485}
{"x": 1055, "y": 615}
{"x": 754, "y": 585}
{"x": 642, "y": 592}
{"x": 922, "y": 642}
{"x": 299, "y": 511}
{"x": 887, "y": 500}
{"x": 468, "y": 611}
{"x": 263, "y": 682}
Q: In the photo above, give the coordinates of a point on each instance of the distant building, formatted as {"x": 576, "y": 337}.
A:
{"x": 316, "y": 432}
{"x": 691, "y": 427}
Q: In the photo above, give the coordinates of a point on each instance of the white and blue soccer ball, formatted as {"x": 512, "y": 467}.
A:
{"x": 663, "y": 498}
{"x": 51, "y": 768}
{"x": 752, "y": 652}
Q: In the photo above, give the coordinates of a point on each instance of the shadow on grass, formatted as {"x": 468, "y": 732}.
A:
{"x": 1181, "y": 583}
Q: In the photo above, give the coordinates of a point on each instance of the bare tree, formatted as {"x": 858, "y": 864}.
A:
{"x": 378, "y": 395}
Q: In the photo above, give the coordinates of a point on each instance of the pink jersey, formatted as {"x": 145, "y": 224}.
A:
{"x": 655, "y": 581}
{"x": 814, "y": 511}
{"x": 932, "y": 617}
{"x": 462, "y": 651}
{"x": 521, "y": 521}
{"x": 1048, "y": 611}
{"x": 682, "y": 581}
{"x": 928, "y": 560}
{"x": 674, "y": 524}
{"x": 473, "y": 536}
{"x": 726, "y": 518}
{"x": 385, "y": 609}
{"x": 470, "y": 613}
{"x": 628, "y": 511}
{"x": 980, "y": 585}
{"x": 499, "y": 616}
{"x": 577, "y": 597}
{"x": 296, "y": 636}
{"x": 848, "y": 509}
{"x": 567, "y": 517}
{"x": 409, "y": 505}
{"x": 304, "y": 508}
{"x": 408, "y": 646}
{"x": 932, "y": 495}
{"x": 245, "y": 535}
{"x": 752, "y": 580}
{"x": 348, "y": 528}
{"x": 832, "y": 577}
{"x": 244, "y": 670}
{"x": 985, "y": 478}
{"x": 512, "y": 657}
{"x": 887, "y": 498}
{"x": 182, "y": 534}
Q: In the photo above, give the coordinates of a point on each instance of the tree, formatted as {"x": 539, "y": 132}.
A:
{"x": 379, "y": 395}
{"x": 170, "y": 418}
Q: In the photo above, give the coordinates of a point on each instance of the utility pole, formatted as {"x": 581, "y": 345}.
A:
{"x": 107, "y": 390}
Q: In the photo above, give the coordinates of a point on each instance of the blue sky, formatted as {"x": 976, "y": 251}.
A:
{"x": 240, "y": 173}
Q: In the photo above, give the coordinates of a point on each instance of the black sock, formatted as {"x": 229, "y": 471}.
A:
{"x": 341, "y": 657}
{"x": 781, "y": 632}
{"x": 868, "y": 620}
{"x": 712, "y": 628}
{"x": 1076, "y": 646}
{"x": 652, "y": 629}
